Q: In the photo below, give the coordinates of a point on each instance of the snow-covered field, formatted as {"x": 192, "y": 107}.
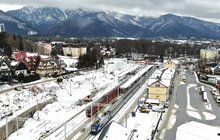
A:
{"x": 68, "y": 94}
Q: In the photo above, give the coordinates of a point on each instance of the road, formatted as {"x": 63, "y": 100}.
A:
{"x": 186, "y": 105}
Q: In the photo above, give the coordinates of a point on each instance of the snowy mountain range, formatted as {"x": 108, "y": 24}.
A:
{"x": 90, "y": 23}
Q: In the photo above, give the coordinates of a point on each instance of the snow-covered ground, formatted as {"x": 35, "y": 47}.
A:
{"x": 68, "y": 94}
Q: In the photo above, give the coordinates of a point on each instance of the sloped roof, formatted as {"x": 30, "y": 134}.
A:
{"x": 114, "y": 131}
{"x": 162, "y": 81}
{"x": 156, "y": 74}
{"x": 172, "y": 60}
{"x": 16, "y": 65}
{"x": 168, "y": 74}
{"x": 7, "y": 63}
{"x": 197, "y": 131}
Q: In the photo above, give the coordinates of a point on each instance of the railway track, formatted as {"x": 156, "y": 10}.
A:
{"x": 61, "y": 131}
{"x": 118, "y": 106}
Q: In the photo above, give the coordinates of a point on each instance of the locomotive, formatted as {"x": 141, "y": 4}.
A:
{"x": 100, "y": 122}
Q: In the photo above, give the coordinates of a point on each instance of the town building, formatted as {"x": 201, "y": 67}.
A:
{"x": 5, "y": 70}
{"x": 210, "y": 55}
{"x": 19, "y": 67}
{"x": 43, "y": 48}
{"x": 172, "y": 64}
{"x": 74, "y": 50}
{"x": 159, "y": 89}
{"x": 160, "y": 84}
{"x": 45, "y": 67}
{"x": 31, "y": 60}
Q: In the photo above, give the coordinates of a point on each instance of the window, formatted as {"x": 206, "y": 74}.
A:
{"x": 157, "y": 85}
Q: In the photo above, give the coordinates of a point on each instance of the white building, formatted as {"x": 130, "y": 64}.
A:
{"x": 74, "y": 50}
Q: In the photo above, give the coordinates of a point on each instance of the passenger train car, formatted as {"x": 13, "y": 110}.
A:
{"x": 124, "y": 88}
{"x": 101, "y": 102}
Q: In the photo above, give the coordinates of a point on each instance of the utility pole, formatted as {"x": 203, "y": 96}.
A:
{"x": 6, "y": 127}
{"x": 37, "y": 111}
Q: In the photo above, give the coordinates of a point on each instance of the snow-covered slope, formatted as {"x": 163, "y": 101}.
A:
{"x": 41, "y": 18}
{"x": 12, "y": 24}
{"x": 91, "y": 23}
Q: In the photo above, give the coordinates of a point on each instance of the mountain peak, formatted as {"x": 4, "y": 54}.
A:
{"x": 91, "y": 23}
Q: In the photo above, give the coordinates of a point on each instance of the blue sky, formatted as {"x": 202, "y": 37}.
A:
{"x": 204, "y": 9}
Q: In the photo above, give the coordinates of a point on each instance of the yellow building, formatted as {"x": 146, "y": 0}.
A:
{"x": 172, "y": 64}
{"x": 209, "y": 55}
{"x": 74, "y": 50}
{"x": 158, "y": 89}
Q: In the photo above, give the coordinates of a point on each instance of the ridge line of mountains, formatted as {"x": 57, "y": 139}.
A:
{"x": 51, "y": 21}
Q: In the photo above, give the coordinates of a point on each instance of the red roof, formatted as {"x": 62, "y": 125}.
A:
{"x": 20, "y": 56}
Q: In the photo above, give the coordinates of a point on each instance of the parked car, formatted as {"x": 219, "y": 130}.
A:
{"x": 158, "y": 109}
{"x": 17, "y": 89}
{"x": 214, "y": 91}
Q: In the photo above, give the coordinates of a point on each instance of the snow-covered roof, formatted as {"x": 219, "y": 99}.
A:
{"x": 128, "y": 70}
{"x": 115, "y": 131}
{"x": 165, "y": 82}
{"x": 44, "y": 56}
{"x": 162, "y": 81}
{"x": 169, "y": 71}
{"x": 31, "y": 54}
{"x": 70, "y": 69}
{"x": 197, "y": 131}
{"x": 128, "y": 83}
{"x": 68, "y": 60}
{"x": 168, "y": 74}
{"x": 151, "y": 81}
{"x": 172, "y": 60}
{"x": 156, "y": 74}
{"x": 14, "y": 63}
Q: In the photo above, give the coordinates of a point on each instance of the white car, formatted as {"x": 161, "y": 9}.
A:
{"x": 158, "y": 109}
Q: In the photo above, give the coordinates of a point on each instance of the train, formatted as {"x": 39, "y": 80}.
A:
{"x": 117, "y": 90}
{"x": 100, "y": 122}
{"x": 122, "y": 89}
{"x": 102, "y": 101}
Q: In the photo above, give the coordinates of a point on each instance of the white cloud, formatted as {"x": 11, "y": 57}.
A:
{"x": 205, "y": 9}
{"x": 6, "y": 7}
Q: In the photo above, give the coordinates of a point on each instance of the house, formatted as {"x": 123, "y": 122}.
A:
{"x": 160, "y": 84}
{"x": 19, "y": 67}
{"x": 48, "y": 67}
{"x": 44, "y": 67}
{"x": 159, "y": 89}
{"x": 29, "y": 59}
{"x": 59, "y": 63}
{"x": 5, "y": 70}
{"x": 172, "y": 64}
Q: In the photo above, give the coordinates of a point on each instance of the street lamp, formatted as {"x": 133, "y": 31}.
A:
{"x": 70, "y": 87}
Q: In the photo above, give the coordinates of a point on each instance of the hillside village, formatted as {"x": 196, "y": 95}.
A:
{"x": 46, "y": 62}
